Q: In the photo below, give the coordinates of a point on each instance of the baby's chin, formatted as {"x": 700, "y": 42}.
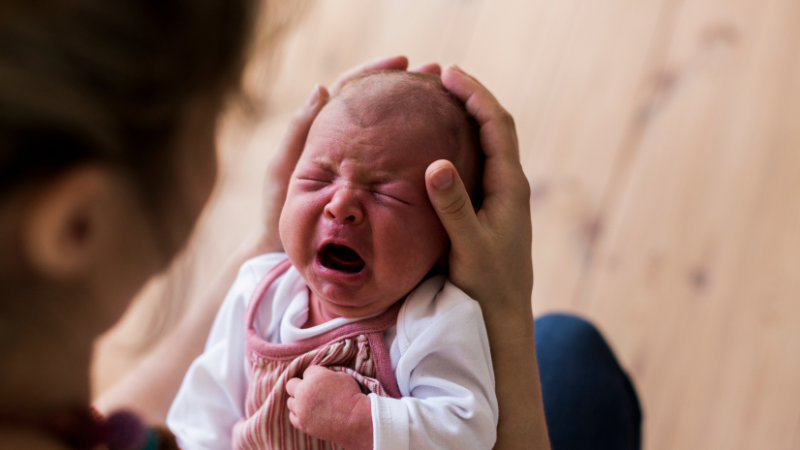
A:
{"x": 338, "y": 302}
{"x": 350, "y": 312}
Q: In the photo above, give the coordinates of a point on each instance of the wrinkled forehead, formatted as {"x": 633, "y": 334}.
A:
{"x": 400, "y": 98}
{"x": 383, "y": 136}
{"x": 415, "y": 110}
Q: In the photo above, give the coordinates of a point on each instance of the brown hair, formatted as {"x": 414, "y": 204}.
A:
{"x": 108, "y": 81}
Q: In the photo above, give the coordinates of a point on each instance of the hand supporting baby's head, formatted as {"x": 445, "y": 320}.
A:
{"x": 357, "y": 222}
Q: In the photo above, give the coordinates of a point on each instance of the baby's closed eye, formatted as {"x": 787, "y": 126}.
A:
{"x": 395, "y": 192}
{"x": 312, "y": 183}
{"x": 387, "y": 197}
{"x": 314, "y": 178}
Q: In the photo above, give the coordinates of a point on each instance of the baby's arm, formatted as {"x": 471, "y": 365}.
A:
{"x": 444, "y": 373}
{"x": 330, "y": 405}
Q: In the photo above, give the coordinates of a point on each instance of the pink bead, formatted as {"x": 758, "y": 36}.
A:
{"x": 125, "y": 431}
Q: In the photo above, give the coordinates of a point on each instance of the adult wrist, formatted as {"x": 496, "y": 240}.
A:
{"x": 509, "y": 319}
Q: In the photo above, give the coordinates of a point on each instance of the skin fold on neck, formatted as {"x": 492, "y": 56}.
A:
{"x": 317, "y": 314}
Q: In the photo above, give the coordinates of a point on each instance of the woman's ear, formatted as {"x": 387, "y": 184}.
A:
{"x": 66, "y": 223}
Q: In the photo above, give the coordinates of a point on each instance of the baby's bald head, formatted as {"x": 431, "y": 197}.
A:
{"x": 418, "y": 103}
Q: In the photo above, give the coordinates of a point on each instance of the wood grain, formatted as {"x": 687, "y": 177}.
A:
{"x": 695, "y": 280}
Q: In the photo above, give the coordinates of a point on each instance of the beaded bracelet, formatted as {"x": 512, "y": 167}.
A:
{"x": 84, "y": 428}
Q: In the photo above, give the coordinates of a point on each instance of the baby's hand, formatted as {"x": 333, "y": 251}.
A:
{"x": 330, "y": 405}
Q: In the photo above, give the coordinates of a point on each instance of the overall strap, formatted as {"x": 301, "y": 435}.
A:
{"x": 374, "y": 326}
{"x": 261, "y": 289}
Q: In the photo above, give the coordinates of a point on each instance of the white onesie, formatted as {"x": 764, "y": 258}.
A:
{"x": 439, "y": 355}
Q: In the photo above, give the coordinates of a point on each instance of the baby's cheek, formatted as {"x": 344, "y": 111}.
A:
{"x": 422, "y": 240}
{"x": 297, "y": 228}
{"x": 432, "y": 229}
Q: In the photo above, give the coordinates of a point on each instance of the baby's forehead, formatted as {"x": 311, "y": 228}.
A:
{"x": 411, "y": 109}
{"x": 394, "y": 144}
{"x": 399, "y": 95}
{"x": 388, "y": 146}
{"x": 406, "y": 105}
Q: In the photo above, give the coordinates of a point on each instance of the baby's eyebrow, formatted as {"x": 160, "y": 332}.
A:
{"x": 325, "y": 165}
{"x": 367, "y": 177}
{"x": 377, "y": 178}
{"x": 383, "y": 177}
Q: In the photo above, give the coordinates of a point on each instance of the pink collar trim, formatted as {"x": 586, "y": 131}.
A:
{"x": 377, "y": 324}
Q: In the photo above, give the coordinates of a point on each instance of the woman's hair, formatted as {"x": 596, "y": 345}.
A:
{"x": 108, "y": 81}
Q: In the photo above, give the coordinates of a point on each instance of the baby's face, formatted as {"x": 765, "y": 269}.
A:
{"x": 357, "y": 222}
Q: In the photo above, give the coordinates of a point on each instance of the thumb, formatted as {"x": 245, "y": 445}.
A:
{"x": 452, "y": 204}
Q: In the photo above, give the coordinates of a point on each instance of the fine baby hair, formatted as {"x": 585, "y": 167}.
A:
{"x": 419, "y": 99}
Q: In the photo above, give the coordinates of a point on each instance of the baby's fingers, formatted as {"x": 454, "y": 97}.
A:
{"x": 295, "y": 421}
{"x": 291, "y": 386}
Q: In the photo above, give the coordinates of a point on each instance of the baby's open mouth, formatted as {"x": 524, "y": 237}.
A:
{"x": 341, "y": 258}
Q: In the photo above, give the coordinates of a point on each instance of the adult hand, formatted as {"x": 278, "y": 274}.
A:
{"x": 288, "y": 153}
{"x": 490, "y": 259}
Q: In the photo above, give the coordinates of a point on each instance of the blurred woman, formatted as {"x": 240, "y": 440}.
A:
{"x": 107, "y": 124}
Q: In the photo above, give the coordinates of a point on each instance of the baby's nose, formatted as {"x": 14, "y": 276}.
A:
{"x": 345, "y": 207}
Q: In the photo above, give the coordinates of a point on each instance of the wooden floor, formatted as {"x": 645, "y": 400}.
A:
{"x": 662, "y": 142}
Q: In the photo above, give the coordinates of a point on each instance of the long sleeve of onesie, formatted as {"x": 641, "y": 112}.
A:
{"x": 445, "y": 375}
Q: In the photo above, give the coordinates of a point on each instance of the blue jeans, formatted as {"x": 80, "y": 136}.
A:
{"x": 589, "y": 402}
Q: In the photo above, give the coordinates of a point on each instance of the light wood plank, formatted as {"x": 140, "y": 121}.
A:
{"x": 571, "y": 147}
{"x": 696, "y": 281}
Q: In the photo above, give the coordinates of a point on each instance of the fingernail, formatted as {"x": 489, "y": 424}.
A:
{"x": 456, "y": 68}
{"x": 314, "y": 98}
{"x": 442, "y": 178}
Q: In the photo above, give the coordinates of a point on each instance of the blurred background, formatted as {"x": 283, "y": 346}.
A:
{"x": 661, "y": 139}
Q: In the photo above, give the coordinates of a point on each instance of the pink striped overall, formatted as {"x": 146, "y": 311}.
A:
{"x": 357, "y": 348}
